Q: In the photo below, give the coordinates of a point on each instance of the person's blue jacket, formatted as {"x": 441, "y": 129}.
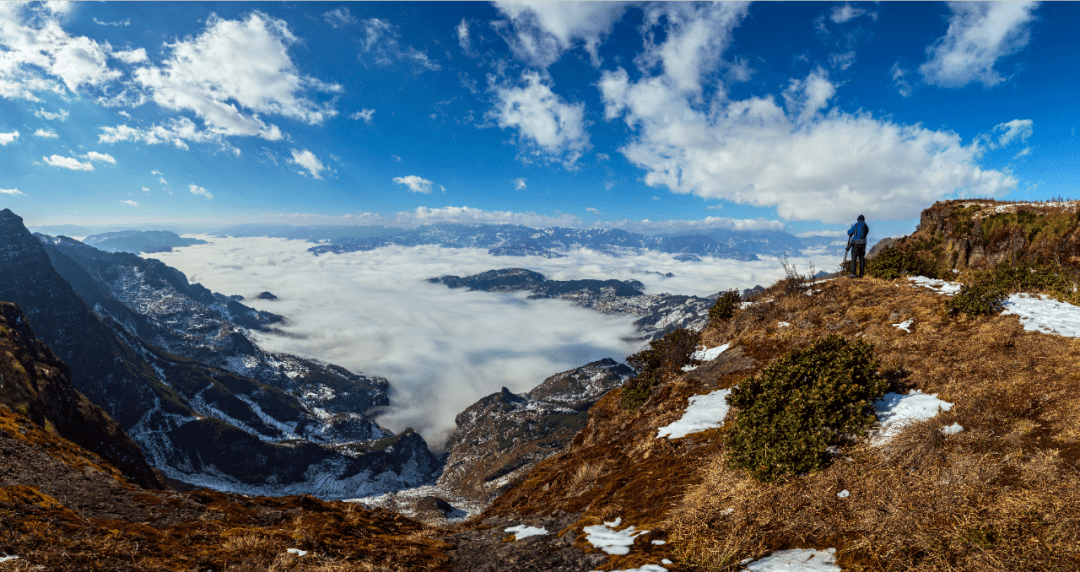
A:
{"x": 859, "y": 230}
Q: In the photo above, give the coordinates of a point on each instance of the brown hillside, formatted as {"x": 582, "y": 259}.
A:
{"x": 1004, "y": 494}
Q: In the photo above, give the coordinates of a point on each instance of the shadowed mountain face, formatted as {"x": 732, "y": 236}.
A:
{"x": 35, "y": 383}
{"x": 211, "y": 425}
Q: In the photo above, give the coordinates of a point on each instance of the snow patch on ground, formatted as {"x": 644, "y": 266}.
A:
{"x": 522, "y": 531}
{"x": 704, "y": 412}
{"x": 896, "y": 410}
{"x": 606, "y": 538}
{"x": 939, "y": 286}
{"x": 796, "y": 560}
{"x": 952, "y": 429}
{"x": 1043, "y": 314}
{"x": 297, "y": 551}
{"x": 904, "y": 325}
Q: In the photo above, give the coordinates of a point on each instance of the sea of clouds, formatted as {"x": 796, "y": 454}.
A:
{"x": 442, "y": 349}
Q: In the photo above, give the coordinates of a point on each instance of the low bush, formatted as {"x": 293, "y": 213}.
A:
{"x": 976, "y": 300}
{"x": 892, "y": 263}
{"x": 664, "y": 356}
{"x": 796, "y": 407}
{"x": 725, "y": 307}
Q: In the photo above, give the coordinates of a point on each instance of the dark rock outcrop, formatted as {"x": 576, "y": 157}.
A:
{"x": 499, "y": 438}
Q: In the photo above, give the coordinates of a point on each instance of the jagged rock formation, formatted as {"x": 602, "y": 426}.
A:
{"x": 35, "y": 383}
{"x": 983, "y": 233}
{"x": 199, "y": 423}
{"x": 659, "y": 313}
{"x": 514, "y": 240}
{"x": 136, "y": 241}
{"x": 499, "y": 438}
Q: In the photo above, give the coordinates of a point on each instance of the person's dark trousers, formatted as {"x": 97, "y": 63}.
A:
{"x": 858, "y": 259}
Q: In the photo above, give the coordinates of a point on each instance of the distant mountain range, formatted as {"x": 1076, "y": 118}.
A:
{"x": 515, "y": 240}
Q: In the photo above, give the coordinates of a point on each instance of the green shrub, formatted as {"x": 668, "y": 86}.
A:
{"x": 976, "y": 300}
{"x": 807, "y": 400}
{"x": 663, "y": 356}
{"x": 724, "y": 308}
{"x": 892, "y": 263}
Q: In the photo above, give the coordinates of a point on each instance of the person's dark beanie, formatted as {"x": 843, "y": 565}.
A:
{"x": 861, "y": 217}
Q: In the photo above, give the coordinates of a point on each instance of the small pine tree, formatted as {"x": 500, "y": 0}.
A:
{"x": 664, "y": 355}
{"x": 809, "y": 399}
{"x": 724, "y": 308}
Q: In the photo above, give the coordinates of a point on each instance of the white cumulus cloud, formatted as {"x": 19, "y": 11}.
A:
{"x": 11, "y": 192}
{"x": 231, "y": 74}
{"x": 415, "y": 184}
{"x": 68, "y": 163}
{"x": 1015, "y": 130}
{"x": 39, "y": 56}
{"x": 544, "y": 30}
{"x": 339, "y": 17}
{"x": 102, "y": 157}
{"x": 50, "y": 115}
{"x": 979, "y": 34}
{"x": 694, "y": 39}
{"x": 519, "y": 184}
{"x": 545, "y": 124}
{"x": 135, "y": 56}
{"x": 197, "y": 190}
{"x": 809, "y": 160}
{"x": 381, "y": 43}
{"x": 6, "y": 138}
{"x": 130, "y": 203}
{"x": 46, "y": 134}
{"x": 309, "y": 162}
{"x": 364, "y": 115}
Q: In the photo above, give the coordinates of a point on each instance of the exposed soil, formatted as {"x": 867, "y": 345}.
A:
{"x": 487, "y": 547}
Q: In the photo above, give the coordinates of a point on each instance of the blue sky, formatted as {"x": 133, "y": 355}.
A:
{"x": 647, "y": 116}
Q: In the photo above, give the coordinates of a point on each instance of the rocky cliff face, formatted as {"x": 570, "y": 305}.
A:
{"x": 499, "y": 438}
{"x": 36, "y": 384}
{"x": 198, "y": 423}
{"x": 983, "y": 233}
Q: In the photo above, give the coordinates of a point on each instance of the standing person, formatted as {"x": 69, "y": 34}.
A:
{"x": 857, "y": 244}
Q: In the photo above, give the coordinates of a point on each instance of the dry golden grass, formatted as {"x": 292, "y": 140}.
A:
{"x": 1002, "y": 495}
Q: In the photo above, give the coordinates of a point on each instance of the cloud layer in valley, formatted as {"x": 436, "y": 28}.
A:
{"x": 441, "y": 349}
